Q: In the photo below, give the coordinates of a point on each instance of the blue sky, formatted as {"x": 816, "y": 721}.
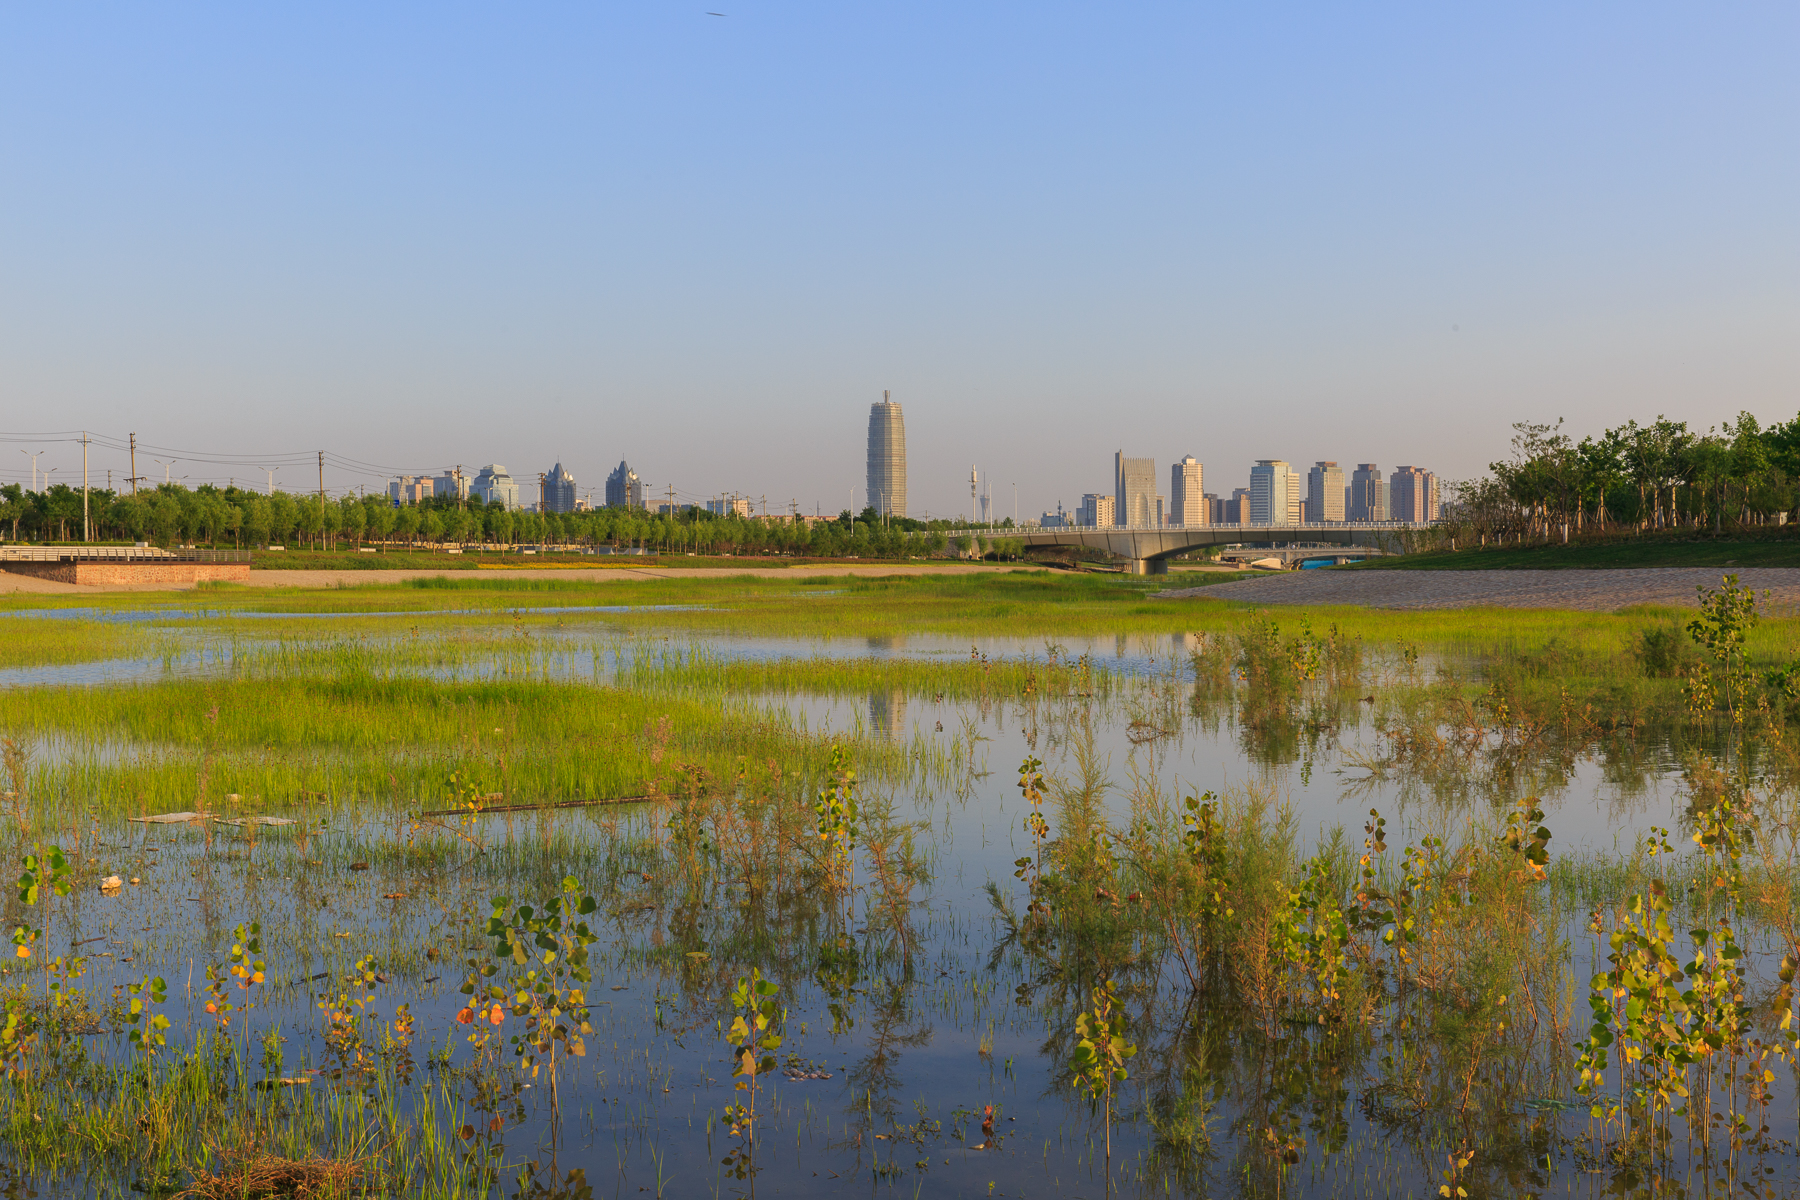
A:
{"x": 424, "y": 235}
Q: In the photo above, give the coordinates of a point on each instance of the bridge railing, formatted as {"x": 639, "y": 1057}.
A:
{"x": 1004, "y": 531}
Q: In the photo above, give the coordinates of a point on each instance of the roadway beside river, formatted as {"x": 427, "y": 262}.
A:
{"x": 1593, "y": 590}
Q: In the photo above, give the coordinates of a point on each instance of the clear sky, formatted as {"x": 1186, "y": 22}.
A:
{"x": 431, "y": 234}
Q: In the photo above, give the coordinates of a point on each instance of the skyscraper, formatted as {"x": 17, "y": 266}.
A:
{"x": 887, "y": 459}
{"x": 1412, "y": 495}
{"x": 1368, "y": 494}
{"x": 1134, "y": 491}
{"x": 1187, "y": 503}
{"x": 623, "y": 488}
{"x": 559, "y": 491}
{"x": 1325, "y": 492}
{"x": 1274, "y": 493}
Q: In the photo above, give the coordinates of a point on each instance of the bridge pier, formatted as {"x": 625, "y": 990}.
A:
{"x": 1147, "y": 566}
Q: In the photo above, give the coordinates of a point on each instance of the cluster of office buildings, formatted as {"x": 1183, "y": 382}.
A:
{"x": 493, "y": 484}
{"x": 1277, "y": 495}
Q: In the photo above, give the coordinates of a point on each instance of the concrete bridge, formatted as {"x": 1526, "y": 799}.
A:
{"x": 1148, "y": 550}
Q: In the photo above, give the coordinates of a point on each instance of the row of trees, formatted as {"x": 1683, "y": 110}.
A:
{"x": 171, "y": 513}
{"x": 1662, "y": 475}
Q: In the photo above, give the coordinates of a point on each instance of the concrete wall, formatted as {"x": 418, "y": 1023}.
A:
{"x": 131, "y": 572}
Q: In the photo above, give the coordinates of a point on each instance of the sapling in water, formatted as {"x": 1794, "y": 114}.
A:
{"x": 548, "y": 948}
{"x": 753, "y": 1034}
{"x": 1101, "y": 1053}
{"x": 147, "y": 1028}
{"x": 46, "y": 874}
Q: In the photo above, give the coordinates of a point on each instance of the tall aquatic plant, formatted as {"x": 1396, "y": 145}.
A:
{"x": 1727, "y": 614}
{"x": 836, "y": 812}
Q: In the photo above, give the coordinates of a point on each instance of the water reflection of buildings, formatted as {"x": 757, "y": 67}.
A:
{"x": 887, "y": 714}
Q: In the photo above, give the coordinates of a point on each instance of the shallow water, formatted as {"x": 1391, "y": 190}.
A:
{"x": 919, "y": 1043}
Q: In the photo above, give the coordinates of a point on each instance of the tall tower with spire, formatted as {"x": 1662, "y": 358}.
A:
{"x": 887, "y": 459}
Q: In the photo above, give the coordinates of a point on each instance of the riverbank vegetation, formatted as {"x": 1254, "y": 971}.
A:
{"x": 1635, "y": 495}
{"x": 171, "y": 513}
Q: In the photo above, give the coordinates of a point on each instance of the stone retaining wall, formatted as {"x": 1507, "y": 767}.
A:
{"x": 129, "y": 572}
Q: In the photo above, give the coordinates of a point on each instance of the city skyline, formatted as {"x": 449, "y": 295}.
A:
{"x": 1135, "y": 491}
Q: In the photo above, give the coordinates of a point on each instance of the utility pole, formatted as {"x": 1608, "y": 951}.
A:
{"x": 86, "y": 528}
{"x": 134, "y": 474}
{"x": 973, "y": 491}
{"x": 321, "y": 485}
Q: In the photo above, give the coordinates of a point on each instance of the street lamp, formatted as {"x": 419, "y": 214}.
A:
{"x": 165, "y": 466}
{"x": 33, "y": 455}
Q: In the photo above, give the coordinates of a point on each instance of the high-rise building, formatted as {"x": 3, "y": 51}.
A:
{"x": 887, "y": 459}
{"x": 623, "y": 488}
{"x": 1368, "y": 494}
{"x": 1274, "y": 493}
{"x": 451, "y": 483}
{"x": 1096, "y": 510}
{"x": 1187, "y": 503}
{"x": 559, "y": 490}
{"x": 1134, "y": 491}
{"x": 494, "y": 484}
{"x": 1412, "y": 495}
{"x": 1237, "y": 509}
{"x": 1325, "y": 492}
{"x": 409, "y": 489}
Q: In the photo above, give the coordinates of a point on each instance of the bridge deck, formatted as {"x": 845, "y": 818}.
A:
{"x": 1149, "y": 549}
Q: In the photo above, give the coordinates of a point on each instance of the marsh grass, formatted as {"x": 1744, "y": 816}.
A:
{"x": 1426, "y": 974}
{"x": 28, "y": 643}
{"x": 1027, "y": 602}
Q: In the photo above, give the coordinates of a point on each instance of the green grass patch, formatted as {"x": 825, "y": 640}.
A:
{"x": 27, "y": 643}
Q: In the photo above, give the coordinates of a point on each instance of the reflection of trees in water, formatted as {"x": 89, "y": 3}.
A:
{"x": 1450, "y": 736}
{"x": 875, "y": 1081}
